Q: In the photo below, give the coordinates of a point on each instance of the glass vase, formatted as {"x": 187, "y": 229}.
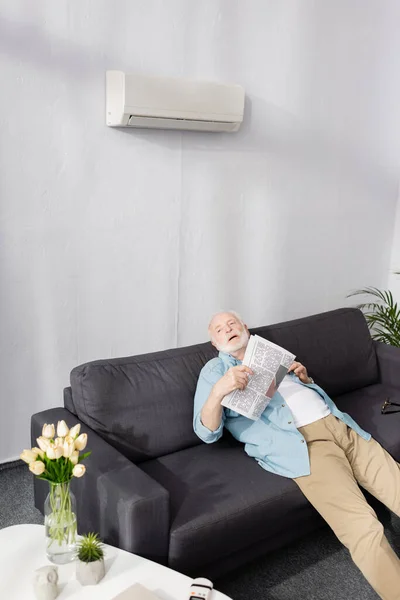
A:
{"x": 60, "y": 523}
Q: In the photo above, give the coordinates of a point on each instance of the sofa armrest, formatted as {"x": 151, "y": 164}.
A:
{"x": 389, "y": 363}
{"x": 115, "y": 498}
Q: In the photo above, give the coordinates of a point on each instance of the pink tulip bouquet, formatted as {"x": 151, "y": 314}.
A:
{"x": 57, "y": 459}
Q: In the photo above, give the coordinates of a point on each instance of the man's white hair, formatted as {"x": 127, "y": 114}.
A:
{"x": 222, "y": 312}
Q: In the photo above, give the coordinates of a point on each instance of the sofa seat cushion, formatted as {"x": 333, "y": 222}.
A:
{"x": 223, "y": 501}
{"x": 364, "y": 406}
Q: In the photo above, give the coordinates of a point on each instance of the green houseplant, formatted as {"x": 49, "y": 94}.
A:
{"x": 382, "y": 315}
{"x": 90, "y": 559}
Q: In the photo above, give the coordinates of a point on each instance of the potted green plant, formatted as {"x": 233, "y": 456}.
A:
{"x": 382, "y": 315}
{"x": 90, "y": 559}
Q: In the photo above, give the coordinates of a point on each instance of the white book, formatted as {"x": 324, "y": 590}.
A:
{"x": 136, "y": 592}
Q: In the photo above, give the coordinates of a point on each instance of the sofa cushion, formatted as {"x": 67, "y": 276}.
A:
{"x": 223, "y": 501}
{"x": 365, "y": 407}
{"x": 142, "y": 405}
{"x": 336, "y": 347}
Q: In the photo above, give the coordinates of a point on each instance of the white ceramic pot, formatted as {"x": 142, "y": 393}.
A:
{"x": 90, "y": 573}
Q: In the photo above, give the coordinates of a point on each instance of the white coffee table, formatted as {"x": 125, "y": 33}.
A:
{"x": 22, "y": 550}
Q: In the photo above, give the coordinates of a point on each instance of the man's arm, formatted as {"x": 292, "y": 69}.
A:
{"x": 212, "y": 411}
{"x": 208, "y": 377}
{"x": 212, "y": 387}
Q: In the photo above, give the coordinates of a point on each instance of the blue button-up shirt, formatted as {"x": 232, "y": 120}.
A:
{"x": 273, "y": 440}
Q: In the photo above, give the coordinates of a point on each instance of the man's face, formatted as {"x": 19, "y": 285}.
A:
{"x": 228, "y": 333}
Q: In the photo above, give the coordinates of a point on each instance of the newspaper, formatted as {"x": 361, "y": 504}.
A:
{"x": 270, "y": 364}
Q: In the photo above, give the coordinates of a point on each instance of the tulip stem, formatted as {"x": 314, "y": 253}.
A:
{"x": 61, "y": 521}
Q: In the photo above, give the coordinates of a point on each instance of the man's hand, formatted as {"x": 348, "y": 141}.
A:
{"x": 236, "y": 378}
{"x": 300, "y": 371}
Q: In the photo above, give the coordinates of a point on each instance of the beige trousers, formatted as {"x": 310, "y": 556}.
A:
{"x": 339, "y": 459}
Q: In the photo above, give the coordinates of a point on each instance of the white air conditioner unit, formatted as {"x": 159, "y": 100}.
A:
{"x": 164, "y": 103}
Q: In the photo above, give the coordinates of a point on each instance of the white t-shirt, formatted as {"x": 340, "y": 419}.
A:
{"x": 305, "y": 403}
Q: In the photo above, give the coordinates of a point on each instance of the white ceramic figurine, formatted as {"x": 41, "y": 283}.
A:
{"x": 45, "y": 583}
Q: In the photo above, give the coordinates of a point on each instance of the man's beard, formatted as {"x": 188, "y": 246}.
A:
{"x": 236, "y": 344}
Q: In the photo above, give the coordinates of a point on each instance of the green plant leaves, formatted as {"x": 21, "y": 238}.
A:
{"x": 90, "y": 548}
{"x": 382, "y": 316}
{"x": 57, "y": 471}
{"x": 84, "y": 455}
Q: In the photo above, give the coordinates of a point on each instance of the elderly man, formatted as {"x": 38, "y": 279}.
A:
{"x": 303, "y": 435}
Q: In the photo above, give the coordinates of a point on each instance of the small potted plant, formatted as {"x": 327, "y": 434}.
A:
{"x": 90, "y": 559}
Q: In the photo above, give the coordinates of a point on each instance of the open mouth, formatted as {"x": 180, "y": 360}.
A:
{"x": 233, "y": 337}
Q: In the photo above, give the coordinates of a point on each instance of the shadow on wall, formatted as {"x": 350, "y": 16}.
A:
{"x": 33, "y": 44}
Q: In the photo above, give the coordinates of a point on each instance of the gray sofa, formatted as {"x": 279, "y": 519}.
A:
{"x": 153, "y": 488}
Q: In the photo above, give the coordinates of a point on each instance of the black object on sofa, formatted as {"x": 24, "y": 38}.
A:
{"x": 153, "y": 488}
